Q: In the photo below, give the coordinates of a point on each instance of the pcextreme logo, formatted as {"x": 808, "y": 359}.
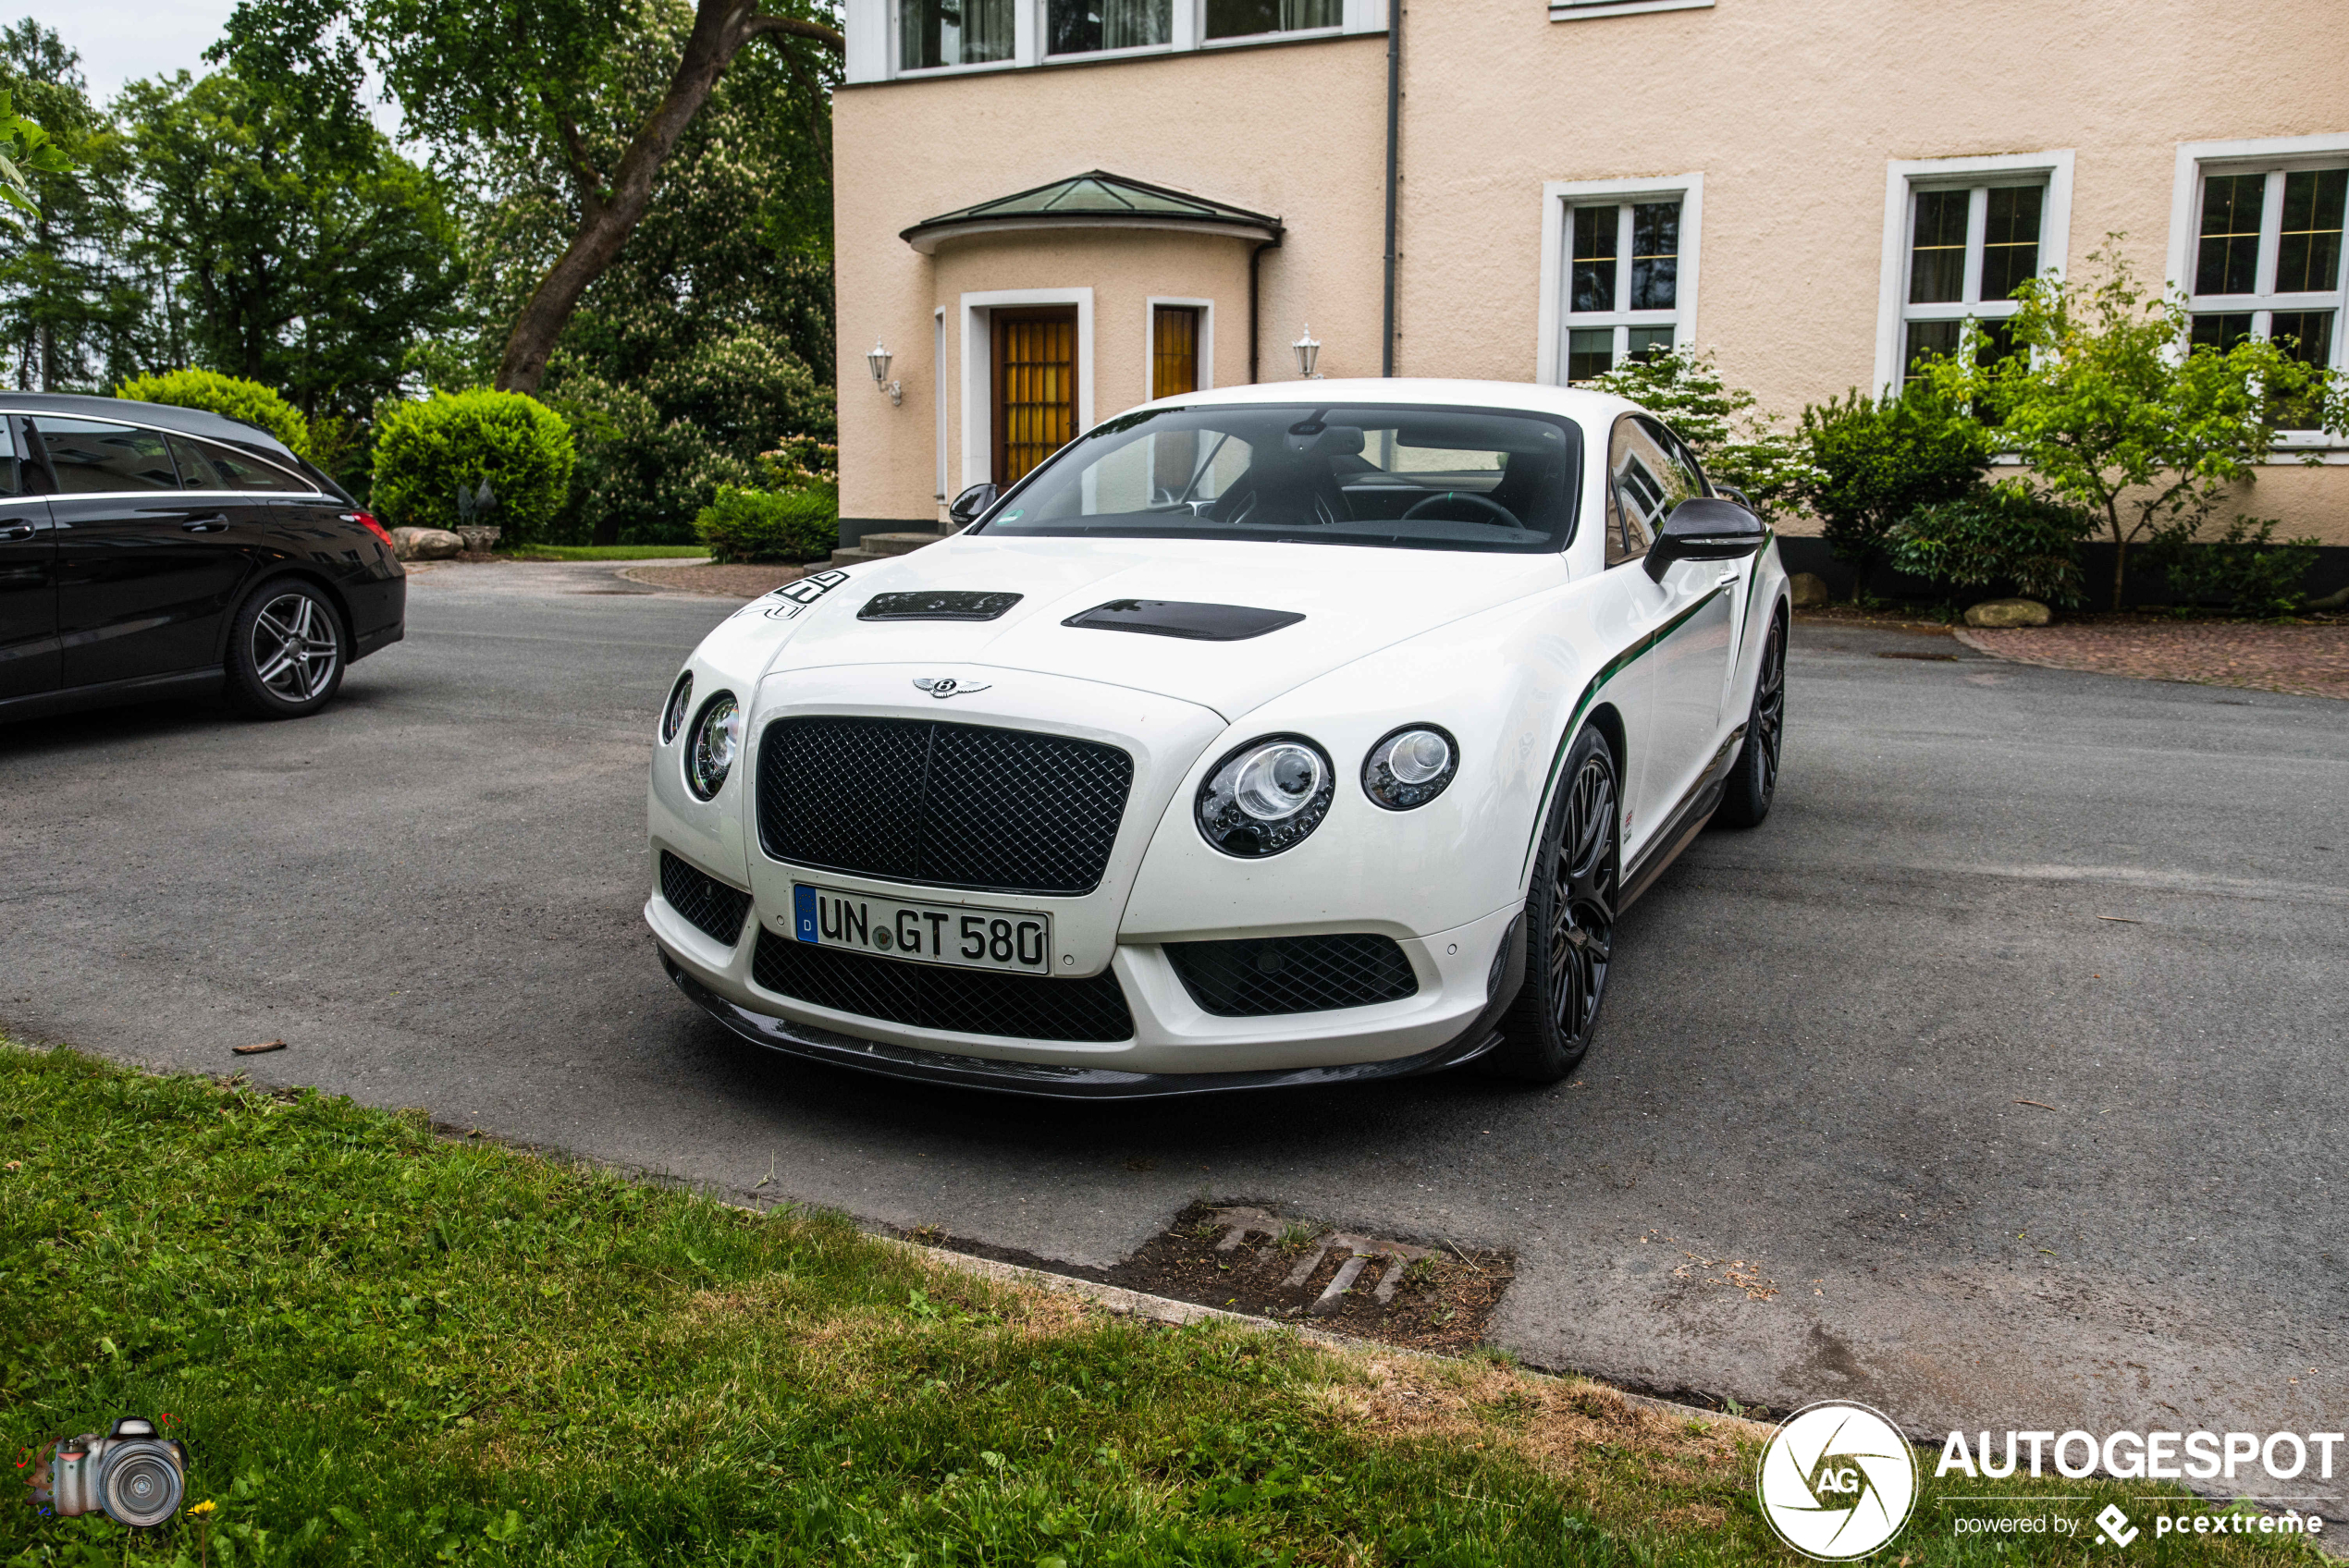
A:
{"x": 1838, "y": 1481}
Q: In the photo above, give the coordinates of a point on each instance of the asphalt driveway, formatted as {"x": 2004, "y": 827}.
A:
{"x": 1882, "y": 1110}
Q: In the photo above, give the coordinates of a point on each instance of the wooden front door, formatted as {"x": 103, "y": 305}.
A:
{"x": 1035, "y": 387}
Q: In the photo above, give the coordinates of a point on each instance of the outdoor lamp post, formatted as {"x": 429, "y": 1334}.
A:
{"x": 879, "y": 360}
{"x": 1308, "y": 351}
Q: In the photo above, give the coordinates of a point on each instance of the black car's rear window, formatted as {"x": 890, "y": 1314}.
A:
{"x": 91, "y": 457}
{"x": 1392, "y": 475}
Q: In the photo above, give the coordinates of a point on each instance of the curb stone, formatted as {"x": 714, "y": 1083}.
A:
{"x": 1166, "y": 1309}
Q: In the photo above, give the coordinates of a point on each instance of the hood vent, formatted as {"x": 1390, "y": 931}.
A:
{"x": 1172, "y": 618}
{"x": 949, "y": 604}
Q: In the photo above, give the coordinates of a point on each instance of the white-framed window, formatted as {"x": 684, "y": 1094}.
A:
{"x": 1959, "y": 235}
{"x": 1221, "y": 20}
{"x": 1575, "y": 10}
{"x": 935, "y": 34}
{"x": 2256, "y": 244}
{"x": 890, "y": 39}
{"x": 1618, "y": 272}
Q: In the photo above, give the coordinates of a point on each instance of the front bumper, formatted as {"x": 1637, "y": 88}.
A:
{"x": 1466, "y": 978}
{"x": 1053, "y": 1079}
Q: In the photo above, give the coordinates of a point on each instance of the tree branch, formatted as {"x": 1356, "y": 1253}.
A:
{"x": 583, "y": 172}
{"x": 793, "y": 27}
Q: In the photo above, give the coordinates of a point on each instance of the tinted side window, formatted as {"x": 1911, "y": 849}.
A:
{"x": 91, "y": 457}
{"x": 1649, "y": 472}
{"x": 208, "y": 465}
{"x": 13, "y": 478}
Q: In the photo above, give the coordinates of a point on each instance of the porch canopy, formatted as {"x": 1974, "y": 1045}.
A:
{"x": 1095, "y": 200}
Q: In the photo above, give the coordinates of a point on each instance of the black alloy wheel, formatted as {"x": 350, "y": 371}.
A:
{"x": 1569, "y": 921}
{"x": 1753, "y": 781}
{"x": 286, "y": 651}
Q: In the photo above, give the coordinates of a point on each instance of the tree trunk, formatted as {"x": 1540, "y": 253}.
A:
{"x": 720, "y": 29}
{"x": 2120, "y": 547}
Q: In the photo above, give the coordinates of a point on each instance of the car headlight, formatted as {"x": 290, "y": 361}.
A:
{"x": 680, "y": 699}
{"x": 718, "y": 736}
{"x": 1266, "y": 796}
{"x": 1410, "y": 767}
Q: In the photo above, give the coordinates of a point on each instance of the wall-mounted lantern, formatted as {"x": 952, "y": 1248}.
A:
{"x": 1307, "y": 351}
{"x": 879, "y": 361}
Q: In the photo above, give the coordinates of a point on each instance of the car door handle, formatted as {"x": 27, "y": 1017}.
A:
{"x": 212, "y": 524}
{"x": 11, "y": 532}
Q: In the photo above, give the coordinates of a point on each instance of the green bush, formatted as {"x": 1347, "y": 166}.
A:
{"x": 2002, "y": 534}
{"x": 1736, "y": 445}
{"x": 1872, "y": 464}
{"x": 770, "y": 525}
{"x": 2246, "y": 568}
{"x": 424, "y": 451}
{"x": 233, "y": 395}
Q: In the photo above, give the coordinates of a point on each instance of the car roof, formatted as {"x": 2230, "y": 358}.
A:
{"x": 162, "y": 416}
{"x": 1595, "y": 408}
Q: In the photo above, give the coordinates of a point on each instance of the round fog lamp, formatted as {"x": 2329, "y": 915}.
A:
{"x": 1409, "y": 768}
{"x": 1265, "y": 796}
{"x": 718, "y": 735}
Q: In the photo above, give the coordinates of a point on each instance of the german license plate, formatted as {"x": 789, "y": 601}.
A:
{"x": 1015, "y": 940}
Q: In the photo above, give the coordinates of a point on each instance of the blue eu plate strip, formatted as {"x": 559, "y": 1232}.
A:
{"x": 803, "y": 908}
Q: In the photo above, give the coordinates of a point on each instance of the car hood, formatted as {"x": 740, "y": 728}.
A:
{"x": 1355, "y": 600}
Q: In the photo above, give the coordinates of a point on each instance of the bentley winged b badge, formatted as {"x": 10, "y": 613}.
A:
{"x": 947, "y": 686}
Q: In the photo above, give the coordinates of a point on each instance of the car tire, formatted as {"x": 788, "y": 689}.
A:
{"x": 1569, "y": 921}
{"x": 1753, "y": 781}
{"x": 287, "y": 651}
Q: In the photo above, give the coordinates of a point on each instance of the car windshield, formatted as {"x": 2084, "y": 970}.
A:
{"x": 1410, "y": 478}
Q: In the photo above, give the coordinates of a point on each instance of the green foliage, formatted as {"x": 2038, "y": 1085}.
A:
{"x": 1736, "y": 444}
{"x": 2246, "y": 568}
{"x": 229, "y": 395}
{"x": 426, "y": 450}
{"x": 1875, "y": 461}
{"x": 770, "y": 525}
{"x": 656, "y": 447}
{"x": 2000, "y": 534}
{"x": 25, "y": 149}
{"x": 79, "y": 289}
{"x": 307, "y": 252}
{"x": 2102, "y": 405}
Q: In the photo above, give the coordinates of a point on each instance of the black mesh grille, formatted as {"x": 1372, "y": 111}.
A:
{"x": 708, "y": 902}
{"x": 1254, "y": 978}
{"x": 959, "y": 806}
{"x": 969, "y": 1001}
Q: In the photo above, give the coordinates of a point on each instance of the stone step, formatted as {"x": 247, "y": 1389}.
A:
{"x": 897, "y": 543}
{"x": 881, "y": 546}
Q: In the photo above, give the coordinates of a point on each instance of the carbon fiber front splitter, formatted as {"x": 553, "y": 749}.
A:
{"x": 1049, "y": 1081}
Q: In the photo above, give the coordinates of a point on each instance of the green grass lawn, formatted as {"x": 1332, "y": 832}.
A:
{"x": 386, "y": 1345}
{"x": 610, "y": 553}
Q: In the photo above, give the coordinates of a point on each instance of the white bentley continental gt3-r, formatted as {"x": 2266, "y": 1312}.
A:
{"x": 1283, "y": 734}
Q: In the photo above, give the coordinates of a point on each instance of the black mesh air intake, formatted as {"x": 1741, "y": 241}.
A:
{"x": 1264, "y": 976}
{"x": 710, "y": 904}
{"x": 927, "y": 995}
{"x": 955, "y": 805}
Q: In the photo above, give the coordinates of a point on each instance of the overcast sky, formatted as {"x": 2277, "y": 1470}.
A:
{"x": 121, "y": 41}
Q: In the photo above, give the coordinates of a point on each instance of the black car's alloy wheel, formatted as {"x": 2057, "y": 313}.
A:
{"x": 286, "y": 653}
{"x": 1753, "y": 779}
{"x": 1569, "y": 921}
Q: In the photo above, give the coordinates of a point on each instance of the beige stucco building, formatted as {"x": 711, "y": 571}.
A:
{"x": 1813, "y": 188}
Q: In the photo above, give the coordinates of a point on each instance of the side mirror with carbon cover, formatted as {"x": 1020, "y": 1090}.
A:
{"x": 1704, "y": 529}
